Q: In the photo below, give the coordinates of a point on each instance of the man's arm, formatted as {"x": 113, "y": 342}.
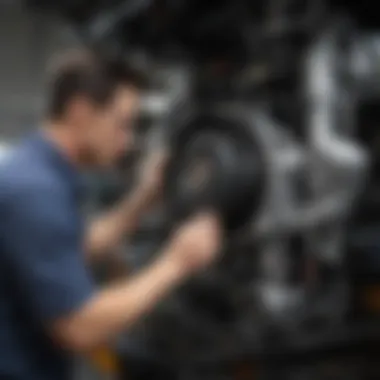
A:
{"x": 105, "y": 234}
{"x": 45, "y": 258}
{"x": 116, "y": 308}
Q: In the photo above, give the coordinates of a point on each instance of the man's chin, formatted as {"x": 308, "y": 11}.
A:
{"x": 114, "y": 162}
{"x": 107, "y": 165}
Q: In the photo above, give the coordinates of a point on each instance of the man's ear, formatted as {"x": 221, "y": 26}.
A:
{"x": 80, "y": 111}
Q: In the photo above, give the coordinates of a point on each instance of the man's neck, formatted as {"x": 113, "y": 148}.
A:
{"x": 60, "y": 136}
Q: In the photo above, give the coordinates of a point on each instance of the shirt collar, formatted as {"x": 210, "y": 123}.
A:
{"x": 56, "y": 158}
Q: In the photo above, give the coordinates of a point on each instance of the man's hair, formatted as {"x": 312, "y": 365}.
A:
{"x": 91, "y": 75}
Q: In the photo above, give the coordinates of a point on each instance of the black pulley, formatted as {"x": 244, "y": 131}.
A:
{"x": 215, "y": 164}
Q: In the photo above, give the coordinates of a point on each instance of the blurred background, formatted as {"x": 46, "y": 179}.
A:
{"x": 27, "y": 40}
{"x": 289, "y": 92}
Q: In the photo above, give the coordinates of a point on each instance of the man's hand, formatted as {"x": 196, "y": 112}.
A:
{"x": 195, "y": 244}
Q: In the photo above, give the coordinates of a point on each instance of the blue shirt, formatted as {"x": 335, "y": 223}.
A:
{"x": 42, "y": 271}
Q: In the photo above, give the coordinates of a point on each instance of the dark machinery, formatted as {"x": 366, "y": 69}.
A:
{"x": 266, "y": 106}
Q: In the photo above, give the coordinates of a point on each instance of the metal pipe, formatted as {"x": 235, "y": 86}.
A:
{"x": 337, "y": 163}
{"x": 330, "y": 120}
{"x": 365, "y": 65}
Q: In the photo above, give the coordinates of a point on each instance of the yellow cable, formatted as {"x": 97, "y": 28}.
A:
{"x": 105, "y": 360}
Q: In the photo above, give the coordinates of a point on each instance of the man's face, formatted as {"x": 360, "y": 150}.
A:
{"x": 108, "y": 132}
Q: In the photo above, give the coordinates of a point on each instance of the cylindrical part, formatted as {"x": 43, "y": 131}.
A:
{"x": 365, "y": 65}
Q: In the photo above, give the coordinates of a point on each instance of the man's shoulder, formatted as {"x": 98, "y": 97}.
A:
{"x": 23, "y": 173}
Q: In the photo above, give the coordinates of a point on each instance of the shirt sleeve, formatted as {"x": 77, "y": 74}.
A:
{"x": 43, "y": 249}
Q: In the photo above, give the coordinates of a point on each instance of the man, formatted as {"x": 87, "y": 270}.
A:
{"x": 49, "y": 306}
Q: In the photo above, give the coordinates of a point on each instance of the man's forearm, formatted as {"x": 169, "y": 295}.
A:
{"x": 116, "y": 308}
{"x": 107, "y": 231}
